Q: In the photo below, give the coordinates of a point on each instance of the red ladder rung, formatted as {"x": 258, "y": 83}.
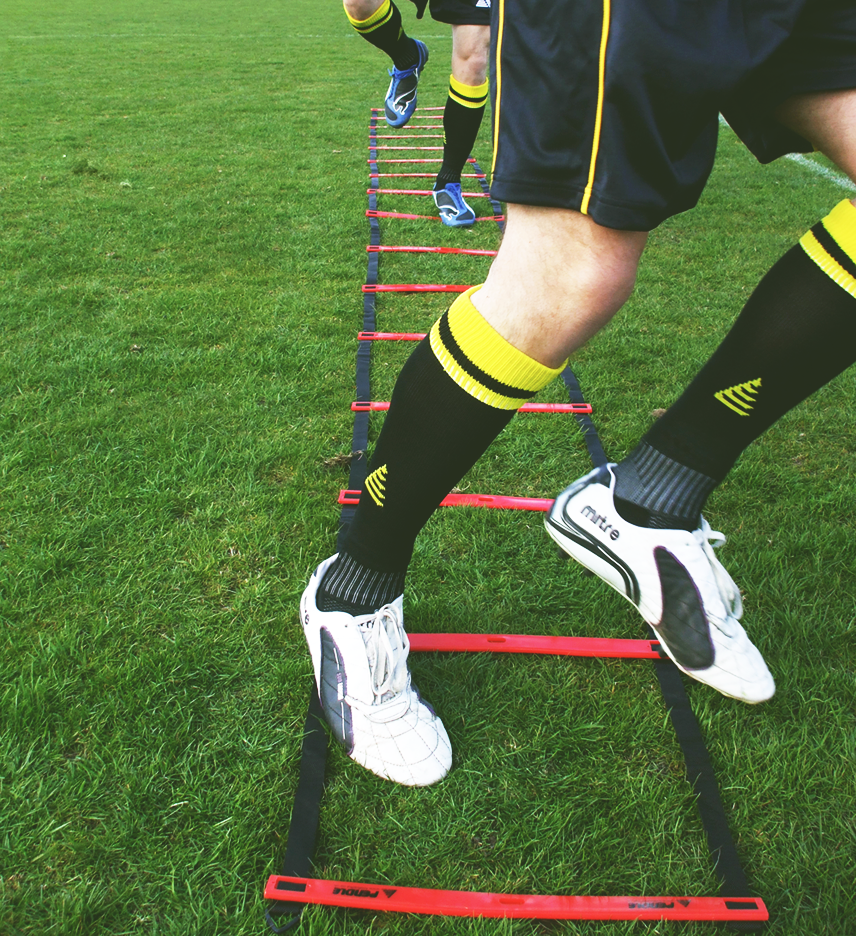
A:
{"x": 495, "y": 501}
{"x": 380, "y": 406}
{"x": 414, "y": 287}
{"x": 393, "y": 191}
{"x": 370, "y": 213}
{"x": 407, "y": 136}
{"x": 376, "y": 897}
{"x": 421, "y": 175}
{"x": 613, "y": 648}
{"x": 380, "y": 248}
{"x": 433, "y": 159}
{"x": 389, "y": 336}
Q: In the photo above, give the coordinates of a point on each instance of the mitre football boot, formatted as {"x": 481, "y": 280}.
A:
{"x": 674, "y": 579}
{"x": 368, "y": 699}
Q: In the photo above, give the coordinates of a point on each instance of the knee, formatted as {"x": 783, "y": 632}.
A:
{"x": 470, "y": 54}
{"x": 360, "y": 10}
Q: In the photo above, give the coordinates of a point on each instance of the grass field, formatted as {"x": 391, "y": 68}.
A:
{"x": 182, "y": 242}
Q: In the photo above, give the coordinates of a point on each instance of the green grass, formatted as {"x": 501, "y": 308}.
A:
{"x": 182, "y": 189}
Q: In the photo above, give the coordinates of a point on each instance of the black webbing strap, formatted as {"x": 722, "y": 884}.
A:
{"x": 588, "y": 428}
{"x": 494, "y": 204}
{"x": 720, "y": 843}
{"x": 303, "y": 830}
{"x": 360, "y": 437}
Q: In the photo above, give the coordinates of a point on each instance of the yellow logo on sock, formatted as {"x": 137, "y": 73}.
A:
{"x": 375, "y": 484}
{"x": 741, "y": 397}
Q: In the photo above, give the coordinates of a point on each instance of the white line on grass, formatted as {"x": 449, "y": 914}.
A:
{"x": 837, "y": 178}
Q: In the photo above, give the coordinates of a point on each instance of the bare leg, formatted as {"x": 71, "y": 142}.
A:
{"x": 827, "y": 120}
{"x": 462, "y": 117}
{"x": 470, "y": 53}
{"x": 558, "y": 279}
{"x": 361, "y": 9}
{"x": 796, "y": 332}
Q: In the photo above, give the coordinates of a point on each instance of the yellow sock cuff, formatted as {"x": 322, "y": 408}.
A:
{"x": 482, "y": 362}
{"x": 832, "y": 245}
{"x": 380, "y": 16}
{"x": 468, "y": 95}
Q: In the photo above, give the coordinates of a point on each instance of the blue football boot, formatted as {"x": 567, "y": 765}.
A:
{"x": 454, "y": 211}
{"x": 400, "y": 101}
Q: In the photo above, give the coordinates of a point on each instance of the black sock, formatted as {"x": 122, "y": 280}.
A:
{"x": 354, "y": 588}
{"x": 383, "y": 29}
{"x": 456, "y": 392}
{"x": 653, "y": 490}
{"x": 462, "y": 118}
{"x": 796, "y": 332}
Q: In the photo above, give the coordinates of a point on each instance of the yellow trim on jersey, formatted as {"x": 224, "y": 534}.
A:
{"x": 500, "y": 29}
{"x": 377, "y": 19}
{"x": 474, "y": 96}
{"x": 490, "y": 354}
{"x": 601, "y": 80}
{"x": 840, "y": 223}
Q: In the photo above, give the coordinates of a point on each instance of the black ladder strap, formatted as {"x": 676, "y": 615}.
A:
{"x": 587, "y": 426}
{"x": 720, "y": 842}
{"x": 303, "y": 831}
{"x": 494, "y": 204}
{"x": 305, "y": 814}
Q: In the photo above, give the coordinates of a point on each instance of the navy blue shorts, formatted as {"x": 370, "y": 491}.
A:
{"x": 456, "y": 12}
{"x": 612, "y": 109}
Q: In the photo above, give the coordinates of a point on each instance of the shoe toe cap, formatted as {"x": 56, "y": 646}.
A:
{"x": 413, "y": 750}
{"x": 739, "y": 669}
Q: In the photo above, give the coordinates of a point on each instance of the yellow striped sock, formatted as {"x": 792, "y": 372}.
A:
{"x": 468, "y": 95}
{"x": 380, "y": 16}
{"x": 832, "y": 245}
{"x": 482, "y": 362}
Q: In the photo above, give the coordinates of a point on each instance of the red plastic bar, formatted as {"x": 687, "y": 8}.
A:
{"x": 556, "y": 408}
{"x": 613, "y": 648}
{"x": 382, "y": 407}
{"x": 389, "y": 336}
{"x": 419, "y": 110}
{"x": 408, "y": 136}
{"x": 417, "y": 126}
{"x": 376, "y": 897}
{"x": 427, "y": 149}
{"x": 413, "y": 287}
{"x": 398, "y": 214}
{"x": 414, "y": 217}
{"x": 431, "y": 160}
{"x": 379, "y": 248}
{"x": 421, "y": 175}
{"x": 394, "y": 191}
{"x": 497, "y": 501}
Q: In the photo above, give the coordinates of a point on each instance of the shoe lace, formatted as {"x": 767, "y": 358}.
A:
{"x": 709, "y": 540}
{"x": 398, "y": 74}
{"x": 387, "y": 646}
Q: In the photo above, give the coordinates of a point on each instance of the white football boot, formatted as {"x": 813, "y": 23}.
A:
{"x": 368, "y": 700}
{"x": 674, "y": 579}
